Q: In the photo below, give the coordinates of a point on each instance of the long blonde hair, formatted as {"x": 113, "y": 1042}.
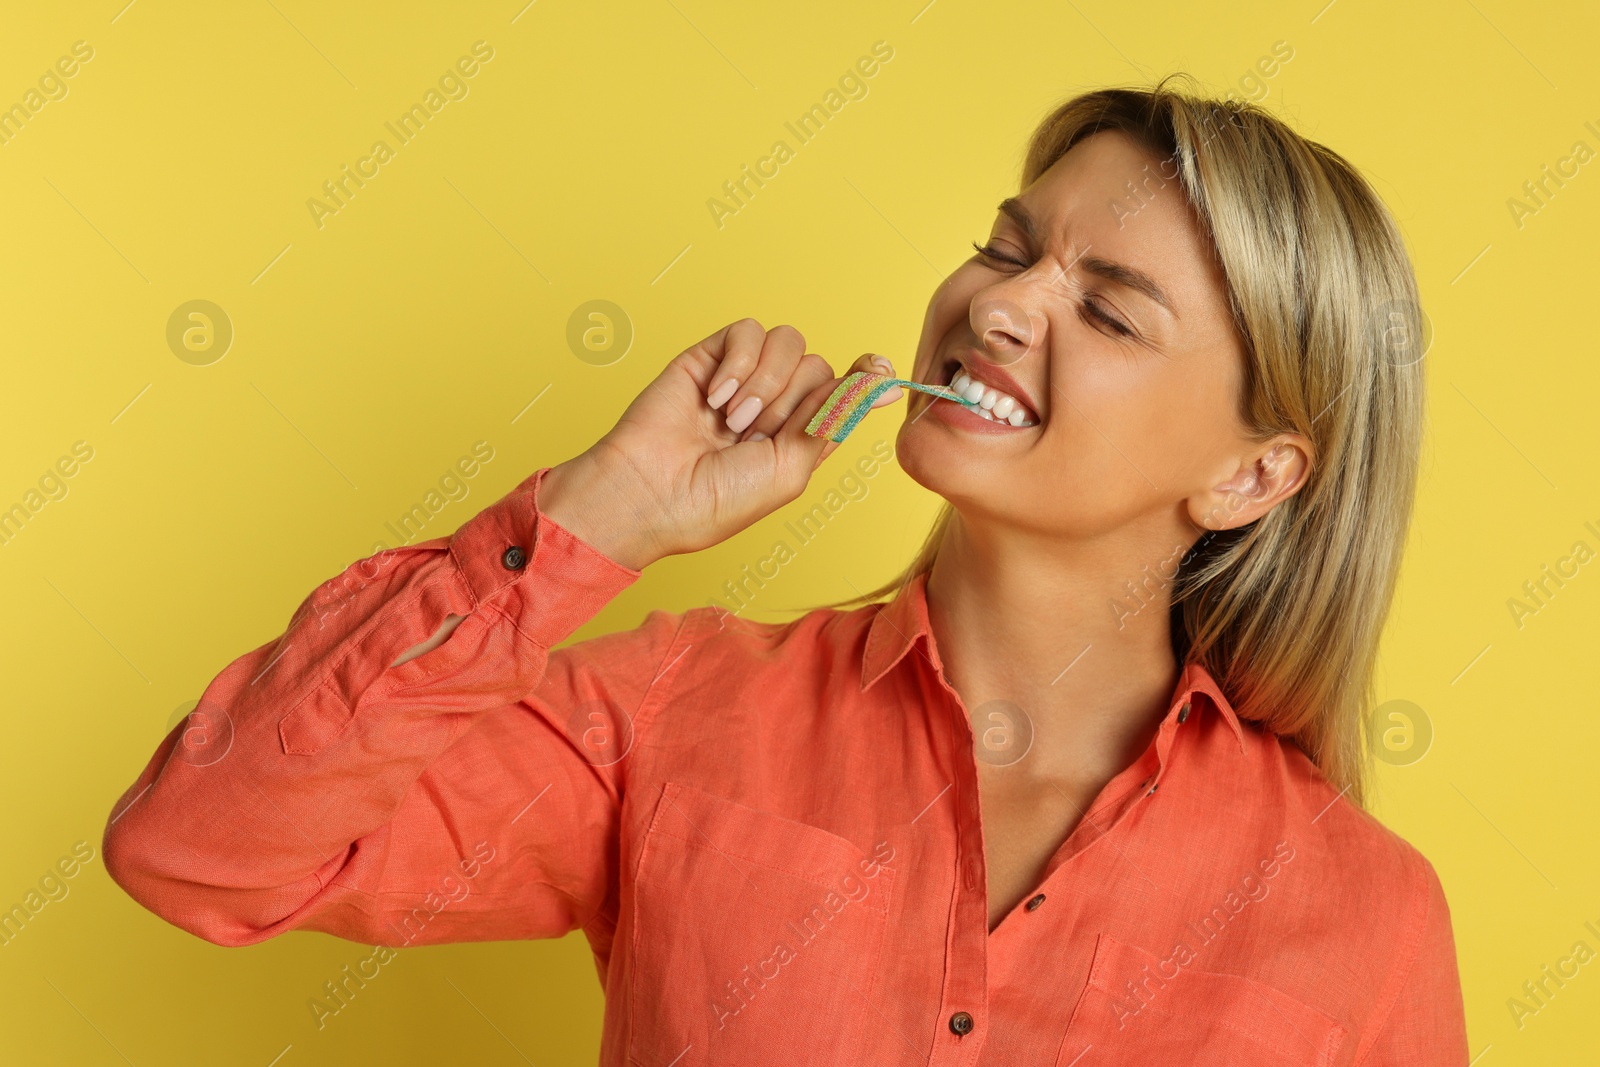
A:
{"x": 1286, "y": 611}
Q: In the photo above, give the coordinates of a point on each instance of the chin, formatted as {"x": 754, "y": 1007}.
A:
{"x": 934, "y": 460}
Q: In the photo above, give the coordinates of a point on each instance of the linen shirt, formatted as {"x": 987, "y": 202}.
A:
{"x": 770, "y": 833}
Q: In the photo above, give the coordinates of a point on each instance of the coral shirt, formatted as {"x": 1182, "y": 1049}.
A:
{"x": 770, "y": 833}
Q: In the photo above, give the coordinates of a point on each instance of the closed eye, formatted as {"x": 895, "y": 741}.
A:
{"x": 1089, "y": 309}
{"x": 1094, "y": 311}
{"x": 989, "y": 251}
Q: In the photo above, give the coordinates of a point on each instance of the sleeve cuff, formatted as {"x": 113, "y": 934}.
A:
{"x": 558, "y": 581}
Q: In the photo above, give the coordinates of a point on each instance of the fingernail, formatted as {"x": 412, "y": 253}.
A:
{"x": 722, "y": 392}
{"x": 744, "y": 414}
{"x": 883, "y": 361}
{"x": 890, "y": 395}
{"x": 757, "y": 436}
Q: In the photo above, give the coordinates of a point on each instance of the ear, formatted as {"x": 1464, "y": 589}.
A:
{"x": 1266, "y": 477}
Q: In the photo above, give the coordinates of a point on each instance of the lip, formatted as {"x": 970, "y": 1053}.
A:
{"x": 960, "y": 416}
{"x": 979, "y": 368}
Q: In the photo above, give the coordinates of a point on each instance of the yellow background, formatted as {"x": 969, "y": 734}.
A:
{"x": 370, "y": 353}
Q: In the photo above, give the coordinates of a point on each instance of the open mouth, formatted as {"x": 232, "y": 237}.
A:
{"x": 992, "y": 404}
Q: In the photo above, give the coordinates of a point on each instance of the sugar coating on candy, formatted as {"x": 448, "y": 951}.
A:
{"x": 852, "y": 398}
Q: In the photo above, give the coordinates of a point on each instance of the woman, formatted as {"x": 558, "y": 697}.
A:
{"x": 1086, "y": 790}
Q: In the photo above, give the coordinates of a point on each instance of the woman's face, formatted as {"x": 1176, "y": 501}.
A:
{"x": 1104, "y": 317}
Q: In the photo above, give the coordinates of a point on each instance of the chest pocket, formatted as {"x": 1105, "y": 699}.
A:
{"x": 752, "y": 934}
{"x": 1140, "y": 1008}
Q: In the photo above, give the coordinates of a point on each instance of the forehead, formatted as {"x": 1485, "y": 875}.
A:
{"x": 1094, "y": 174}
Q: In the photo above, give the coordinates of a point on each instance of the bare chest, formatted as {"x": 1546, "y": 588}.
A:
{"x": 1024, "y": 824}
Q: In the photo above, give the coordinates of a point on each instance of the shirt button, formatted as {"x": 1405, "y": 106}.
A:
{"x": 1033, "y": 905}
{"x": 514, "y": 559}
{"x": 961, "y": 1024}
{"x": 1183, "y": 713}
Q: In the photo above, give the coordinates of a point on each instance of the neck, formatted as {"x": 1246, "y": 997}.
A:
{"x": 1054, "y": 626}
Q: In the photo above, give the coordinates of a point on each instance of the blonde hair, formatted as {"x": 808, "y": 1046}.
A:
{"x": 1286, "y": 611}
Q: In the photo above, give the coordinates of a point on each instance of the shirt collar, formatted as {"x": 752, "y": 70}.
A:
{"x": 897, "y": 625}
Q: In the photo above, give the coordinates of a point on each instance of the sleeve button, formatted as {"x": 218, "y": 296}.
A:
{"x": 514, "y": 559}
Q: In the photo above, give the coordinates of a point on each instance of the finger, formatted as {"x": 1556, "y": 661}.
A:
{"x": 702, "y": 358}
{"x": 740, "y": 351}
{"x": 765, "y": 382}
{"x": 799, "y": 453}
{"x": 880, "y": 365}
{"x": 811, "y": 371}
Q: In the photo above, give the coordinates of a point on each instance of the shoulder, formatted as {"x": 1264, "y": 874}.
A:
{"x": 708, "y": 644}
{"x": 1356, "y": 854}
{"x": 1357, "y": 845}
{"x": 828, "y": 640}
{"x": 1379, "y": 898}
{"x": 1362, "y": 930}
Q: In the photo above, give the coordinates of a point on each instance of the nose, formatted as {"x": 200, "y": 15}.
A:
{"x": 1004, "y": 328}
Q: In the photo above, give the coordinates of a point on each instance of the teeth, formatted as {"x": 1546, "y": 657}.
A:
{"x": 991, "y": 403}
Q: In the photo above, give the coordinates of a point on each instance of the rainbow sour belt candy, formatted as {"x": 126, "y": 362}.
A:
{"x": 852, "y": 399}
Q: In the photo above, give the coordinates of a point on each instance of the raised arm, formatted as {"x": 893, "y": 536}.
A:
{"x": 319, "y": 786}
{"x": 410, "y": 748}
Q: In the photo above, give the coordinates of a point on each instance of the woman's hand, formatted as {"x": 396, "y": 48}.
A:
{"x": 678, "y": 472}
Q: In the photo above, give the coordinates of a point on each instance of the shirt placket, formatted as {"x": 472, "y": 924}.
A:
{"x": 963, "y": 1009}
{"x": 964, "y": 1005}
{"x": 1117, "y": 803}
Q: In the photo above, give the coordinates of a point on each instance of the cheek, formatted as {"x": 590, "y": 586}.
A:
{"x": 1101, "y": 423}
{"x": 1120, "y": 430}
{"x": 1144, "y": 420}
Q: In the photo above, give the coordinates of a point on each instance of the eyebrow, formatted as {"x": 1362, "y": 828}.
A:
{"x": 1120, "y": 273}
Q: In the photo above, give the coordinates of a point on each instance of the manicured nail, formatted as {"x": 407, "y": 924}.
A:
{"x": 890, "y": 395}
{"x": 745, "y": 413}
{"x": 757, "y": 436}
{"x": 720, "y": 395}
{"x": 883, "y": 361}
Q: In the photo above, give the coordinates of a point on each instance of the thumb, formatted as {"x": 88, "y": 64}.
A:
{"x": 877, "y": 364}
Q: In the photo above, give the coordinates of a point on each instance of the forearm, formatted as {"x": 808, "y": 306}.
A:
{"x": 316, "y": 739}
{"x": 577, "y": 497}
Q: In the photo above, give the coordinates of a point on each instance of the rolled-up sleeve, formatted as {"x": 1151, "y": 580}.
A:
{"x": 470, "y": 793}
